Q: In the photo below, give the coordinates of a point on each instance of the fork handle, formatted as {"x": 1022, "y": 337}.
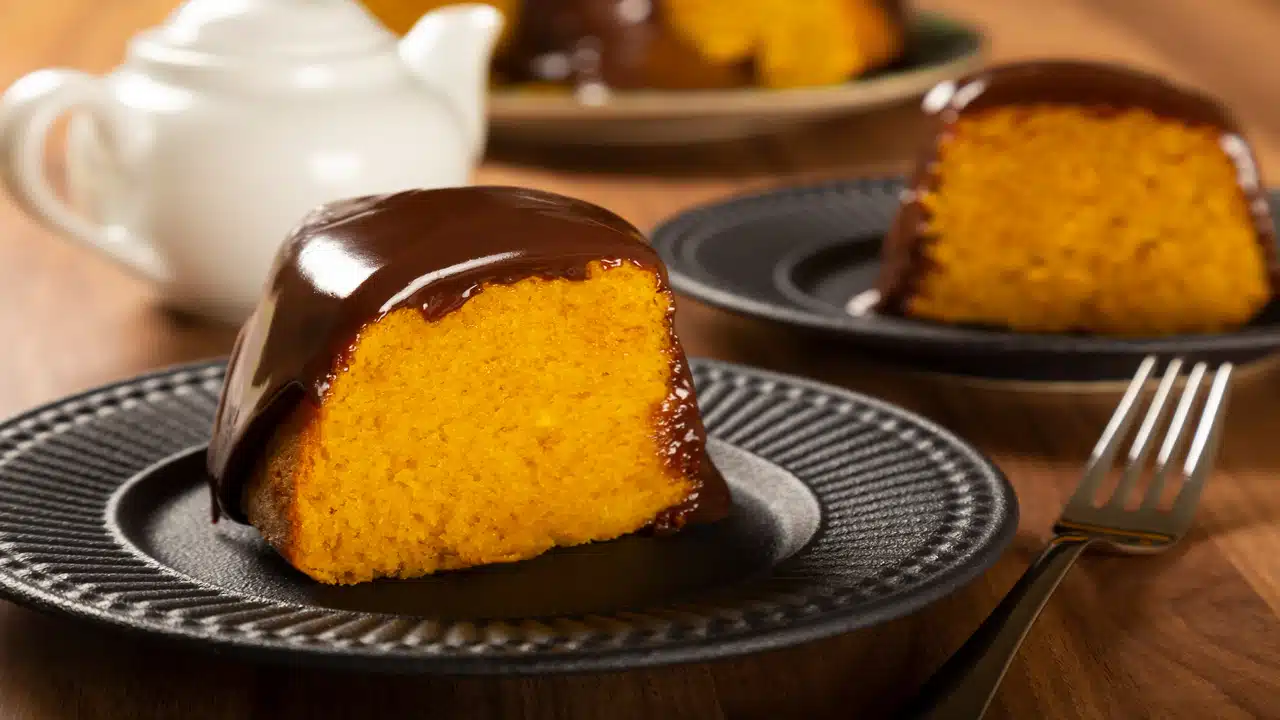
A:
{"x": 963, "y": 687}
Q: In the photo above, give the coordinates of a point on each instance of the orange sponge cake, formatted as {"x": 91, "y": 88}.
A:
{"x": 447, "y": 378}
{"x": 1080, "y": 197}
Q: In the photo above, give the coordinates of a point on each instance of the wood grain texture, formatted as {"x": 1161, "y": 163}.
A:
{"x": 1191, "y": 634}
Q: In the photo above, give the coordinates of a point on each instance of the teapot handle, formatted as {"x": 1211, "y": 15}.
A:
{"x": 27, "y": 111}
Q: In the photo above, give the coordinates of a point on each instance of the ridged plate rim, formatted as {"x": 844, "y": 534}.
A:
{"x": 64, "y": 598}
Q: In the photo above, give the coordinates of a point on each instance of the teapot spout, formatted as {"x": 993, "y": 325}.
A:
{"x": 450, "y": 49}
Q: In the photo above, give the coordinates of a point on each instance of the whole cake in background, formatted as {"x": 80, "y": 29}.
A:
{"x": 1072, "y": 197}
{"x": 439, "y": 379}
{"x": 683, "y": 44}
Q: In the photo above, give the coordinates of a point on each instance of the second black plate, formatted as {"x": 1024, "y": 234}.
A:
{"x": 801, "y": 256}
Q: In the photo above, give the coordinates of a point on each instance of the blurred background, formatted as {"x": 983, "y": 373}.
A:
{"x": 656, "y": 113}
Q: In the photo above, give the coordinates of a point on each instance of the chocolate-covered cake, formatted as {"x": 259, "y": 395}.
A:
{"x": 438, "y": 379}
{"x": 684, "y": 44}
{"x": 1080, "y": 197}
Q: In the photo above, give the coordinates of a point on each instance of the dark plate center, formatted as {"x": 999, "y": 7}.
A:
{"x": 164, "y": 514}
{"x": 826, "y": 279}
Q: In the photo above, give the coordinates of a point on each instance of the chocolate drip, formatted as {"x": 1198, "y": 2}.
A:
{"x": 1101, "y": 87}
{"x": 351, "y": 262}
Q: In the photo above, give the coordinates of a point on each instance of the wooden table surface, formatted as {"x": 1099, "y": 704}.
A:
{"x": 1190, "y": 634}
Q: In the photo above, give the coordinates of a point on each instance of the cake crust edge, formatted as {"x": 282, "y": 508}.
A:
{"x": 903, "y": 257}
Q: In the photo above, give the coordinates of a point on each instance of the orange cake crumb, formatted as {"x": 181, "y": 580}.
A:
{"x": 1058, "y": 218}
{"x": 521, "y": 421}
{"x": 816, "y": 42}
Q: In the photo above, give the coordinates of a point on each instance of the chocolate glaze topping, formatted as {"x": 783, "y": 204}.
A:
{"x": 615, "y": 44}
{"x": 350, "y": 262}
{"x": 1104, "y": 87}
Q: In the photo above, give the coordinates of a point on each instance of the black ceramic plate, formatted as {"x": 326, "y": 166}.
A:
{"x": 847, "y": 512}
{"x": 798, "y": 256}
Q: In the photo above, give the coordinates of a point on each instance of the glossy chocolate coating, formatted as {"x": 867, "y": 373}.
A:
{"x": 1103, "y": 87}
{"x": 351, "y": 262}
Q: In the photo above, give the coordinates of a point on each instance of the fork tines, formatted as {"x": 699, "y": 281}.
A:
{"x": 1198, "y": 459}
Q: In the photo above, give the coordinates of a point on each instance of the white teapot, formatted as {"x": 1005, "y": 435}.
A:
{"x": 191, "y": 161}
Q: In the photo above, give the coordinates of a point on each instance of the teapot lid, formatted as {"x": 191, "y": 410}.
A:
{"x": 270, "y": 28}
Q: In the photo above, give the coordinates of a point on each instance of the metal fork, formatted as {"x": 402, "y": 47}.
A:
{"x": 965, "y": 684}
